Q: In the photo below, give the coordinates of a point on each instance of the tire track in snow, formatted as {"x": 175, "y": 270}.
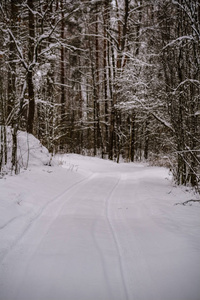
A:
{"x": 115, "y": 239}
{"x": 103, "y": 262}
{"x": 107, "y": 279}
{"x": 40, "y": 213}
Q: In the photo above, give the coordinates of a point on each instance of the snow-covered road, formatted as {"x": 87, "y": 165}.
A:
{"x": 112, "y": 234}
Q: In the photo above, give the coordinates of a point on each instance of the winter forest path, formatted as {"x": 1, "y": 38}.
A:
{"x": 114, "y": 235}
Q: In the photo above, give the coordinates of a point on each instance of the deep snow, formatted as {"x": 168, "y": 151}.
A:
{"x": 93, "y": 229}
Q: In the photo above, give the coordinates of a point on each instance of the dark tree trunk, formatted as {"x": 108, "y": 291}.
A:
{"x": 62, "y": 69}
{"x": 31, "y": 96}
{"x": 12, "y": 58}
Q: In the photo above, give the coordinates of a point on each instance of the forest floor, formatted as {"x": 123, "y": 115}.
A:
{"x": 93, "y": 229}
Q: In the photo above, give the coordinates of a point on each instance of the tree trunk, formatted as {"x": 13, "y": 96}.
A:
{"x": 12, "y": 63}
{"x": 31, "y": 96}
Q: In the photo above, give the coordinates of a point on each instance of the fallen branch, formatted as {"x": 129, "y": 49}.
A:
{"x": 188, "y": 201}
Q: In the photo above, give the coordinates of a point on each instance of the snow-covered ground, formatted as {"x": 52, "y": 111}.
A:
{"x": 92, "y": 229}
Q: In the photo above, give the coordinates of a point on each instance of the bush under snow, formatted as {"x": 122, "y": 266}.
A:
{"x": 30, "y": 151}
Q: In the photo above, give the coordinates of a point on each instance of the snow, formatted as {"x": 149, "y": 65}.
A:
{"x": 88, "y": 228}
{"x": 30, "y": 151}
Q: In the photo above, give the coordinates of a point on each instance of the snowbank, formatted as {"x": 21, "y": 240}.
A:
{"x": 30, "y": 152}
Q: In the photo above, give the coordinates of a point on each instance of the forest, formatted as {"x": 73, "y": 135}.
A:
{"x": 115, "y": 78}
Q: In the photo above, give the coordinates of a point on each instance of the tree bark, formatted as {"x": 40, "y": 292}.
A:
{"x": 31, "y": 95}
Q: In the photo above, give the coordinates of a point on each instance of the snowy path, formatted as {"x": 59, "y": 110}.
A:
{"x": 113, "y": 235}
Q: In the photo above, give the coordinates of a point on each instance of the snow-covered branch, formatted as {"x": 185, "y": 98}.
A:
{"x": 179, "y": 39}
{"x": 18, "y": 49}
{"x": 192, "y": 81}
{"x": 191, "y": 15}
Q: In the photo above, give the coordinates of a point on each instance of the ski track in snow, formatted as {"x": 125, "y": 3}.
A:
{"x": 117, "y": 245}
{"x": 54, "y": 201}
{"x": 114, "y": 234}
{"x": 10, "y": 222}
